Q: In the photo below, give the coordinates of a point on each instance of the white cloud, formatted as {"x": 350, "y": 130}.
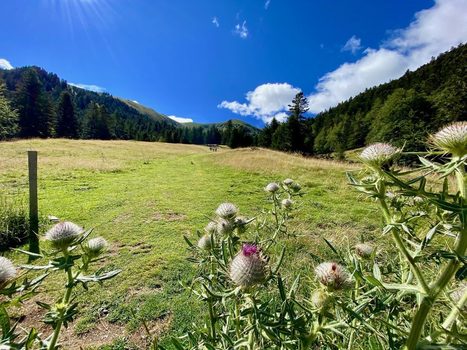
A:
{"x": 265, "y": 102}
{"x": 266, "y": 4}
{"x": 135, "y": 102}
{"x": 433, "y": 31}
{"x": 241, "y": 30}
{"x": 5, "y": 64}
{"x": 353, "y": 45}
{"x": 215, "y": 21}
{"x": 180, "y": 119}
{"x": 89, "y": 87}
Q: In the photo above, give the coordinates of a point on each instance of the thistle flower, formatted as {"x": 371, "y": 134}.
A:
{"x": 452, "y": 139}
{"x": 333, "y": 275}
{"x": 287, "y": 203}
{"x": 205, "y": 242}
{"x": 227, "y": 211}
{"x": 287, "y": 182}
{"x": 63, "y": 234}
{"x": 225, "y": 226}
{"x": 96, "y": 246}
{"x": 7, "y": 271}
{"x": 272, "y": 187}
{"x": 320, "y": 299}
{"x": 248, "y": 267}
{"x": 379, "y": 154}
{"x": 211, "y": 228}
{"x": 363, "y": 250}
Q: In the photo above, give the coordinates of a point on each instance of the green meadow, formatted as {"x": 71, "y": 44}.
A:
{"x": 143, "y": 197}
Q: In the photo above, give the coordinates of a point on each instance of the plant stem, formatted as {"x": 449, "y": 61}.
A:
{"x": 446, "y": 274}
{"x": 65, "y": 301}
{"x": 400, "y": 245}
{"x": 455, "y": 311}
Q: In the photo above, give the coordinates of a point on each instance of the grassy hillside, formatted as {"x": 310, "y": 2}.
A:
{"x": 143, "y": 197}
{"x": 151, "y": 113}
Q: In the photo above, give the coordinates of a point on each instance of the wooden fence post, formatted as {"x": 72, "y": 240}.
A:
{"x": 33, "y": 204}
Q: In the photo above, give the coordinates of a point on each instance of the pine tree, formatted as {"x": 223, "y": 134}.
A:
{"x": 67, "y": 125}
{"x": 36, "y": 114}
{"x": 8, "y": 118}
{"x": 296, "y": 122}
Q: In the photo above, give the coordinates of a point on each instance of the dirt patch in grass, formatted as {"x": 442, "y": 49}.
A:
{"x": 168, "y": 217}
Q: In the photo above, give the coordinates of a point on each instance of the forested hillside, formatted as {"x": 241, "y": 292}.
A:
{"x": 402, "y": 111}
{"x": 35, "y": 103}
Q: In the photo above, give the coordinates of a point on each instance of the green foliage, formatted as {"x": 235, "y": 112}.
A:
{"x": 8, "y": 118}
{"x": 14, "y": 223}
{"x": 67, "y": 124}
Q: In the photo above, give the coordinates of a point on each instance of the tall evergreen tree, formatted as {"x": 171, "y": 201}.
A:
{"x": 296, "y": 122}
{"x": 67, "y": 124}
{"x": 36, "y": 115}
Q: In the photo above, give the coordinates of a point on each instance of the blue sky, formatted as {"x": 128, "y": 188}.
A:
{"x": 212, "y": 60}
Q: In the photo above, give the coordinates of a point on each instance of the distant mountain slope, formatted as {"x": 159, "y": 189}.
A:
{"x": 149, "y": 112}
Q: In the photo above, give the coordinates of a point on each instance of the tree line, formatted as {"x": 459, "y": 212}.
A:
{"x": 402, "y": 112}
{"x": 34, "y": 103}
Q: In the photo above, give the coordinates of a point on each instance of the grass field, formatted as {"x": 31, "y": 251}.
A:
{"x": 143, "y": 197}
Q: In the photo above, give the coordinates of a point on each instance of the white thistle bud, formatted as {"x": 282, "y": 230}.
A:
{"x": 7, "y": 271}
{"x": 364, "y": 250}
{"x": 96, "y": 246}
{"x": 248, "y": 267}
{"x": 452, "y": 139}
{"x": 63, "y": 234}
{"x": 333, "y": 275}
{"x": 211, "y": 228}
{"x": 287, "y": 203}
{"x": 320, "y": 299}
{"x": 379, "y": 154}
{"x": 287, "y": 182}
{"x": 227, "y": 211}
{"x": 225, "y": 227}
{"x": 272, "y": 187}
{"x": 205, "y": 242}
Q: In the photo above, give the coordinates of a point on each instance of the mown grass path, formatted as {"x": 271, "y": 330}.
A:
{"x": 142, "y": 197}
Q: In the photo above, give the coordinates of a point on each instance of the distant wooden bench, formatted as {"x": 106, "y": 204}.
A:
{"x": 213, "y": 147}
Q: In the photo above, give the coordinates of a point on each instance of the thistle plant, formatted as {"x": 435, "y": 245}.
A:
{"x": 243, "y": 292}
{"x": 71, "y": 254}
{"x": 428, "y": 225}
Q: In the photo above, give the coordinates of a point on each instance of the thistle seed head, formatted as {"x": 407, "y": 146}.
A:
{"x": 63, "y": 234}
{"x": 379, "y": 154}
{"x": 248, "y": 267}
{"x": 333, "y": 275}
{"x": 96, "y": 246}
{"x": 363, "y": 250}
{"x": 452, "y": 139}
{"x": 287, "y": 182}
{"x": 227, "y": 211}
{"x": 205, "y": 242}
{"x": 7, "y": 271}
{"x": 211, "y": 228}
{"x": 287, "y": 203}
{"x": 225, "y": 227}
{"x": 272, "y": 187}
{"x": 320, "y": 299}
